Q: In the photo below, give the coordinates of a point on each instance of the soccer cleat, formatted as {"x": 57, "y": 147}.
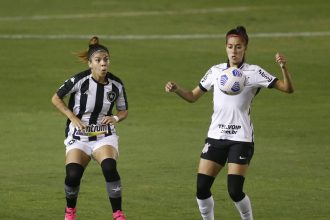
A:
{"x": 119, "y": 215}
{"x": 70, "y": 214}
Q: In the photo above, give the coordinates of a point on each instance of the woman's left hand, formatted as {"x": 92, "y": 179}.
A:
{"x": 109, "y": 120}
{"x": 280, "y": 59}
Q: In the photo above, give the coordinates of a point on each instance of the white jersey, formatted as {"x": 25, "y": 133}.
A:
{"x": 231, "y": 113}
{"x": 90, "y": 101}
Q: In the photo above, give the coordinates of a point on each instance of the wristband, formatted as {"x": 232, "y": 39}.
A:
{"x": 116, "y": 118}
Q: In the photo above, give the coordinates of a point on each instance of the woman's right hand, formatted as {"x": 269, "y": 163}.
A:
{"x": 61, "y": 106}
{"x": 171, "y": 87}
{"x": 77, "y": 123}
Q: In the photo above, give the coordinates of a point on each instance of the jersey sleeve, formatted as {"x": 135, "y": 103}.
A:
{"x": 206, "y": 83}
{"x": 264, "y": 79}
{"x": 68, "y": 87}
{"x": 121, "y": 103}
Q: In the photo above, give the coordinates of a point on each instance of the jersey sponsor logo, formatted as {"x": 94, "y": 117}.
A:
{"x": 111, "y": 96}
{"x": 93, "y": 130}
{"x": 229, "y": 129}
{"x": 264, "y": 75}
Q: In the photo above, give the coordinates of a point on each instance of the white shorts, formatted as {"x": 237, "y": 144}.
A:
{"x": 90, "y": 146}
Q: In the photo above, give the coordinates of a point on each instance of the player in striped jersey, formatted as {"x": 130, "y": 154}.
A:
{"x": 230, "y": 138}
{"x": 90, "y": 131}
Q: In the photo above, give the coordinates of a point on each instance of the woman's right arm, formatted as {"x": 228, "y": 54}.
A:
{"x": 62, "y": 107}
{"x": 189, "y": 96}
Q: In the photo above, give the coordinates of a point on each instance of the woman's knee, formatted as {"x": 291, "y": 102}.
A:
{"x": 204, "y": 184}
{"x": 109, "y": 169}
{"x": 74, "y": 173}
{"x": 235, "y": 187}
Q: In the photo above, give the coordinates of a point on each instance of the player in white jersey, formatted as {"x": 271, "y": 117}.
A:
{"x": 230, "y": 136}
{"x": 90, "y": 131}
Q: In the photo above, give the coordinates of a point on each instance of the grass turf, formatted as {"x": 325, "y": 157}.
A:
{"x": 161, "y": 140}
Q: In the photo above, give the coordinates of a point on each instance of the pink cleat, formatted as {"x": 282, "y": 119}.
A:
{"x": 70, "y": 214}
{"x": 119, "y": 215}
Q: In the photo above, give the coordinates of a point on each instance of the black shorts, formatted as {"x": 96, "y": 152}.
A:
{"x": 222, "y": 151}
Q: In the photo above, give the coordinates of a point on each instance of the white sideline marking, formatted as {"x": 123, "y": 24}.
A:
{"x": 160, "y": 37}
{"x": 124, "y": 14}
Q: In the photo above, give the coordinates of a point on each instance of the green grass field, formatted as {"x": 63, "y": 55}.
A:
{"x": 152, "y": 42}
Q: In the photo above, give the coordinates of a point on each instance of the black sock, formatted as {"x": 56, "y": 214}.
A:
{"x": 115, "y": 204}
{"x": 71, "y": 202}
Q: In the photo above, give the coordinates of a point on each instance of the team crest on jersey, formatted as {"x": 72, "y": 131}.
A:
{"x": 111, "y": 96}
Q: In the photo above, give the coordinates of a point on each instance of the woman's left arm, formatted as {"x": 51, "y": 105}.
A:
{"x": 285, "y": 84}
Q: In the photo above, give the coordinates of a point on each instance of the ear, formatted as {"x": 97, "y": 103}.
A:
{"x": 89, "y": 64}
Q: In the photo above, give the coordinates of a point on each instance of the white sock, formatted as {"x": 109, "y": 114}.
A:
{"x": 206, "y": 208}
{"x": 244, "y": 208}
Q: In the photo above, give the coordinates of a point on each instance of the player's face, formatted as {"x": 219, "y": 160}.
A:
{"x": 99, "y": 63}
{"x": 235, "y": 49}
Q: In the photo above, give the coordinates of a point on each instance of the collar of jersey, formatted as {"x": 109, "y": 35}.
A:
{"x": 239, "y": 65}
{"x": 99, "y": 82}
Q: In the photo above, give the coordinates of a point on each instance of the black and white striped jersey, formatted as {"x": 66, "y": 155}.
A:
{"x": 90, "y": 101}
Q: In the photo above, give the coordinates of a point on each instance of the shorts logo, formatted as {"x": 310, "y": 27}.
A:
{"x": 206, "y": 148}
{"x": 111, "y": 96}
{"x": 71, "y": 142}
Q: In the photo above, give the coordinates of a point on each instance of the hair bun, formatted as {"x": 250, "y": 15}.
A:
{"x": 241, "y": 29}
{"x": 93, "y": 41}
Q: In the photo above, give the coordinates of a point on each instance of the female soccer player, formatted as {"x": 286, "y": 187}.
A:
{"x": 90, "y": 131}
{"x": 230, "y": 136}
